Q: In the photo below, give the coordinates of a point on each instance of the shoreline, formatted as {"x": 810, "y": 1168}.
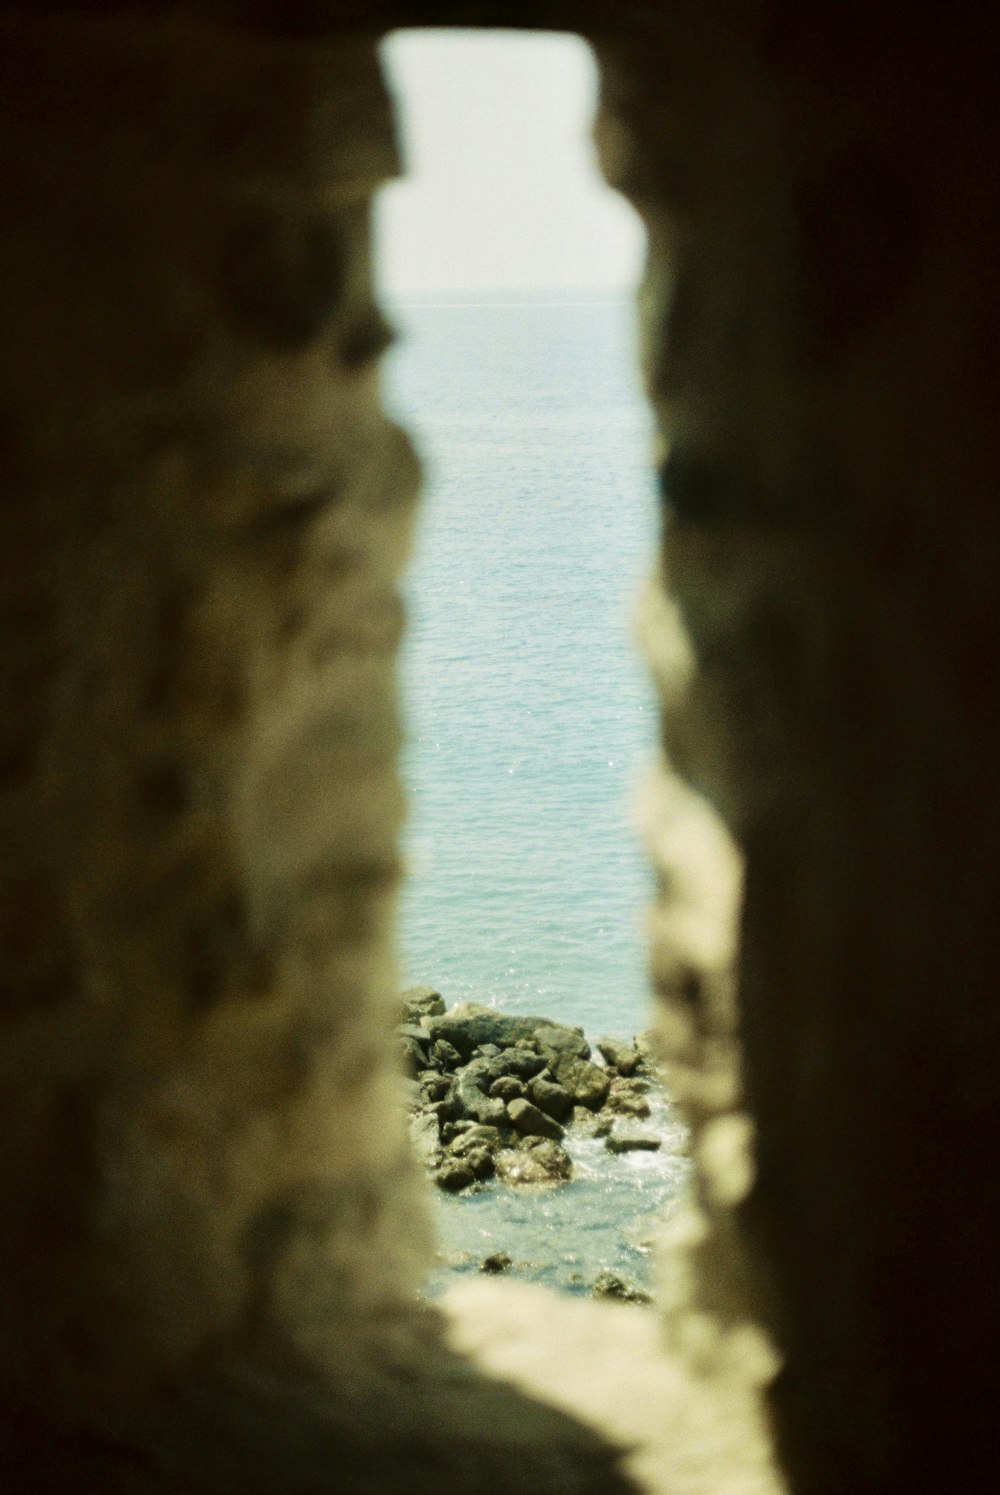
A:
{"x": 526, "y": 1110}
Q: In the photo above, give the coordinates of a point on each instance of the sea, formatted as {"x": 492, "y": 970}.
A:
{"x": 530, "y": 723}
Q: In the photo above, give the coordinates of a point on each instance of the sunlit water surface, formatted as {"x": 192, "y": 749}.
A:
{"x": 530, "y": 719}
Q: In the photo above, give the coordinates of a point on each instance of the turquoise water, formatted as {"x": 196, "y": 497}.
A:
{"x": 530, "y": 721}
{"x": 529, "y": 716}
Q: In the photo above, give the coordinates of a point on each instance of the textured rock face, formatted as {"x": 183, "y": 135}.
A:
{"x": 211, "y": 1221}
{"x": 813, "y": 348}
{"x": 203, "y": 517}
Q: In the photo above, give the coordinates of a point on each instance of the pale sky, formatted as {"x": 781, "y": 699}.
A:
{"x": 502, "y": 190}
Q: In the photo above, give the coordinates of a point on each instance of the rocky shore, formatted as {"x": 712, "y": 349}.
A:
{"x": 494, "y": 1095}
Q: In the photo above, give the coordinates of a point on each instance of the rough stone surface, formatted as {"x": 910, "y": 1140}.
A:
{"x": 627, "y": 1102}
{"x": 587, "y": 1083}
{"x": 623, "y": 1138}
{"x": 623, "y": 1056}
{"x": 610, "y": 1285}
{"x": 455, "y": 1174}
{"x": 543, "y": 1162}
{"x": 524, "y": 1064}
{"x": 507, "y": 1088}
{"x": 497, "y": 1261}
{"x": 468, "y": 1026}
{"x": 422, "y": 1001}
{"x": 531, "y": 1122}
{"x": 555, "y": 1100}
{"x": 207, "y": 1183}
{"x": 475, "y": 1137}
{"x": 212, "y": 1225}
{"x": 553, "y": 1041}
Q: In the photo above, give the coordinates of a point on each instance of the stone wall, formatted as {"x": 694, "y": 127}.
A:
{"x": 820, "y": 349}
{"x": 210, "y": 1238}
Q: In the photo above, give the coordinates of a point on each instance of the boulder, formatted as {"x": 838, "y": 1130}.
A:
{"x": 446, "y": 1109}
{"x": 481, "y": 1162}
{"x": 624, "y": 1056}
{"x": 468, "y": 1026}
{"x": 587, "y": 1083}
{"x": 419, "y": 1035}
{"x": 474, "y": 1138}
{"x": 471, "y": 1098}
{"x": 539, "y": 1162}
{"x": 434, "y": 1086}
{"x": 522, "y": 1063}
{"x": 609, "y": 1285}
{"x": 632, "y": 1139}
{"x": 455, "y": 1174}
{"x": 421, "y": 1001}
{"x": 634, "y": 1084}
{"x": 507, "y": 1087}
{"x": 591, "y": 1123}
{"x": 627, "y": 1103}
{"x": 551, "y": 1155}
{"x": 553, "y": 1039}
{"x": 531, "y": 1122}
{"x": 555, "y": 1100}
{"x": 445, "y": 1054}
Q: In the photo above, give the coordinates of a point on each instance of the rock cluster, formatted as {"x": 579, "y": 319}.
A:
{"x": 493, "y": 1094}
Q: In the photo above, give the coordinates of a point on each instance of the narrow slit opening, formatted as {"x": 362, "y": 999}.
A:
{"x": 511, "y": 270}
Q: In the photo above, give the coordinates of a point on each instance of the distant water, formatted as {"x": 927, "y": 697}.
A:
{"x": 530, "y": 720}
{"x": 529, "y": 716}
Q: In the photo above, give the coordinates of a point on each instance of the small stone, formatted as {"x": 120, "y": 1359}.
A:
{"x": 531, "y": 1122}
{"x": 632, "y": 1139}
{"x": 609, "y": 1285}
{"x": 499, "y": 1261}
